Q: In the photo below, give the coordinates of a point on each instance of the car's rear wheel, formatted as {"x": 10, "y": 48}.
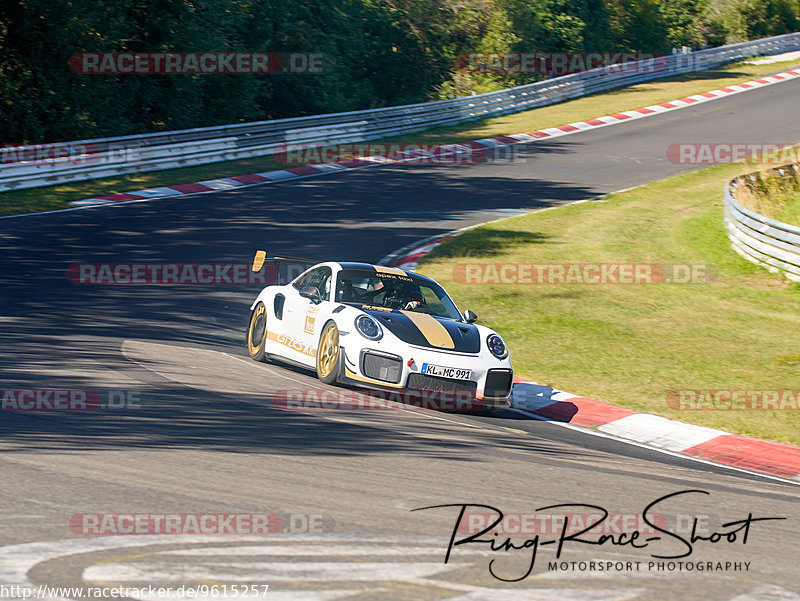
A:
{"x": 257, "y": 333}
{"x": 328, "y": 354}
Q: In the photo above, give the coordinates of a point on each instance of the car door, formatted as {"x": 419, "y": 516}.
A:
{"x": 301, "y": 317}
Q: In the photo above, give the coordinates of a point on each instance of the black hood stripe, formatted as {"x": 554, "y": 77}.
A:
{"x": 464, "y": 336}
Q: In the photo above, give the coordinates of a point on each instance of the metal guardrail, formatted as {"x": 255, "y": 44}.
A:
{"x": 759, "y": 239}
{"x": 103, "y": 157}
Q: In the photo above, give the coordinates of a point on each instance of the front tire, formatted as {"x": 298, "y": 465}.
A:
{"x": 328, "y": 354}
{"x": 257, "y": 333}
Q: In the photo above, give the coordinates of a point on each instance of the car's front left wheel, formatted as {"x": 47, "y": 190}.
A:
{"x": 257, "y": 333}
{"x": 328, "y": 354}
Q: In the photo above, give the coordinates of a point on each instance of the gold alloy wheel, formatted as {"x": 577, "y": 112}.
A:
{"x": 257, "y": 332}
{"x": 328, "y": 352}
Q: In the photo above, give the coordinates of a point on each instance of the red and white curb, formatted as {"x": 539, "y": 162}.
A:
{"x": 672, "y": 436}
{"x": 713, "y": 445}
{"x": 446, "y": 150}
{"x": 408, "y": 256}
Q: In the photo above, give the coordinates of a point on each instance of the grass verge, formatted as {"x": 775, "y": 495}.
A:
{"x": 633, "y": 345}
{"x": 790, "y": 213}
{"x": 661, "y": 90}
{"x": 772, "y": 195}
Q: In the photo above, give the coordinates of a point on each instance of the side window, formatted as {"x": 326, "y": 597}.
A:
{"x": 304, "y": 280}
{"x": 320, "y": 278}
{"x": 433, "y": 302}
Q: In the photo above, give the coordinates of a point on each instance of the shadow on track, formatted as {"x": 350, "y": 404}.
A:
{"x": 59, "y": 334}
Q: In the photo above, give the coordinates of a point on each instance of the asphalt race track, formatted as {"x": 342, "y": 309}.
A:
{"x": 201, "y": 434}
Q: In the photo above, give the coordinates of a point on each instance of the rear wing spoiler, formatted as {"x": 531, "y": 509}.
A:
{"x": 281, "y": 270}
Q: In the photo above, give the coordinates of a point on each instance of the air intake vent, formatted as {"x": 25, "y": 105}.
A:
{"x": 425, "y": 382}
{"x": 382, "y": 367}
{"x": 498, "y": 383}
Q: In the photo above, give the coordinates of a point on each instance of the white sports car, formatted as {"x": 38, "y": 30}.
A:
{"x": 381, "y": 328}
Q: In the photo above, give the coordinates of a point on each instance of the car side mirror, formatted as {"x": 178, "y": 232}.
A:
{"x": 470, "y": 317}
{"x": 311, "y": 293}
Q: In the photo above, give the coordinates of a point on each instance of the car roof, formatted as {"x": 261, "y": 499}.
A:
{"x": 355, "y": 265}
{"x": 371, "y": 267}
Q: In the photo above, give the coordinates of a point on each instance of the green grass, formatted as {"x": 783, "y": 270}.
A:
{"x": 790, "y": 213}
{"x": 772, "y": 194}
{"x": 57, "y": 197}
{"x": 631, "y": 345}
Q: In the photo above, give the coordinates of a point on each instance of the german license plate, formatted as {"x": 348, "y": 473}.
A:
{"x": 446, "y": 372}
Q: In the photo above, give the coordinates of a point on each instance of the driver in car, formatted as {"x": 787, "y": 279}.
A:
{"x": 412, "y": 298}
{"x": 407, "y": 297}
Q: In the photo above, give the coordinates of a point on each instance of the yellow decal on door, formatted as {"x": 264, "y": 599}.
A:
{"x": 311, "y": 317}
{"x": 291, "y": 343}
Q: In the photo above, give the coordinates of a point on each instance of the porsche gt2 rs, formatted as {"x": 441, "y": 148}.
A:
{"x": 381, "y": 328}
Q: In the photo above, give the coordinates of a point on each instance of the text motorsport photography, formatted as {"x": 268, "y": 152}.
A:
{"x": 666, "y": 546}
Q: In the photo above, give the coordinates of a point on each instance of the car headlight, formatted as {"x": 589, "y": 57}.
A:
{"x": 368, "y": 327}
{"x": 496, "y": 346}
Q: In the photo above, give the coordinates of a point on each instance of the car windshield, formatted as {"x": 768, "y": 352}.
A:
{"x": 394, "y": 291}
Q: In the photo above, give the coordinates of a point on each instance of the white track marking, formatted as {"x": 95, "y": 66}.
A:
{"x": 17, "y": 560}
{"x": 270, "y": 595}
{"x": 267, "y": 572}
{"x": 582, "y": 125}
{"x": 210, "y": 563}
{"x": 274, "y": 595}
{"x": 484, "y": 593}
{"x": 137, "y": 352}
{"x": 641, "y": 445}
{"x": 768, "y": 593}
{"x": 554, "y": 594}
{"x": 329, "y": 167}
{"x": 222, "y": 183}
{"x": 310, "y": 551}
{"x": 608, "y": 120}
{"x": 56, "y": 505}
{"x": 155, "y": 192}
{"x": 660, "y": 432}
{"x": 277, "y": 175}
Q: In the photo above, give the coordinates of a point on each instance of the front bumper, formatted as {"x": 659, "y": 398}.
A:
{"x": 490, "y": 381}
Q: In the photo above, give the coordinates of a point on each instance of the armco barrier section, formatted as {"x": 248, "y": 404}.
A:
{"x": 759, "y": 239}
{"x": 106, "y": 157}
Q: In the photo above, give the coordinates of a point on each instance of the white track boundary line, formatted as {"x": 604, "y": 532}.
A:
{"x": 642, "y": 445}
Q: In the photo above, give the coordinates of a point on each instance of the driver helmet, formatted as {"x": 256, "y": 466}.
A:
{"x": 412, "y": 293}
